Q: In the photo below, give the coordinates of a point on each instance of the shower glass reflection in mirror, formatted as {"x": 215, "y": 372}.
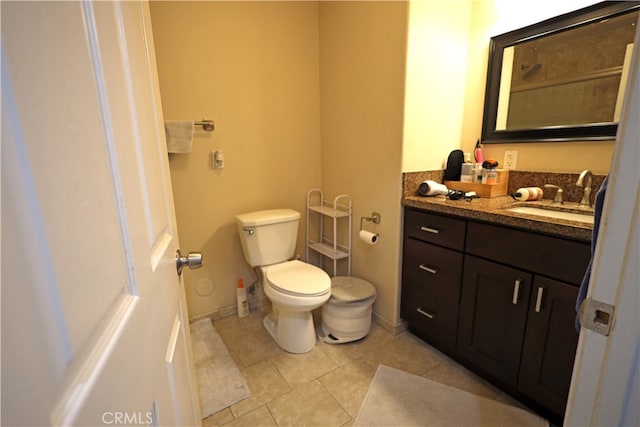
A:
{"x": 582, "y": 71}
{"x": 561, "y": 79}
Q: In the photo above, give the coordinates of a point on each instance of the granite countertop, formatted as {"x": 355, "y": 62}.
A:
{"x": 493, "y": 210}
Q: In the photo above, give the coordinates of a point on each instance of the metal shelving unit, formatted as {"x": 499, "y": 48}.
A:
{"x": 337, "y": 211}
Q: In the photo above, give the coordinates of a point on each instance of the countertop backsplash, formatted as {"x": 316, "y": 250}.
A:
{"x": 517, "y": 179}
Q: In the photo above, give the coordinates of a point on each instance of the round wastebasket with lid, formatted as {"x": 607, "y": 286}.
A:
{"x": 346, "y": 316}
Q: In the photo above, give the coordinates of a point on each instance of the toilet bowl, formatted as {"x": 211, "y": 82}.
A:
{"x": 294, "y": 289}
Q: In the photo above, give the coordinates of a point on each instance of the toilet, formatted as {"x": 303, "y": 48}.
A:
{"x": 268, "y": 240}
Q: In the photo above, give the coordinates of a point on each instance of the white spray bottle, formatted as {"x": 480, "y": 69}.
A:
{"x": 243, "y": 303}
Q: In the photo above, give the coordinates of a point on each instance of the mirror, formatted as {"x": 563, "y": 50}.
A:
{"x": 561, "y": 79}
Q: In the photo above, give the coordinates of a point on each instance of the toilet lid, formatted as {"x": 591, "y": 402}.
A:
{"x": 299, "y": 278}
{"x": 351, "y": 289}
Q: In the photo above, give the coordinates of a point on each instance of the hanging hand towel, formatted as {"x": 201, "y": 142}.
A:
{"x": 179, "y": 135}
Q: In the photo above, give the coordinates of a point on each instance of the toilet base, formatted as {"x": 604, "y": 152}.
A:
{"x": 293, "y": 331}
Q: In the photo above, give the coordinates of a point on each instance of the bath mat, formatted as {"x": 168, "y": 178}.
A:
{"x": 397, "y": 398}
{"x": 220, "y": 383}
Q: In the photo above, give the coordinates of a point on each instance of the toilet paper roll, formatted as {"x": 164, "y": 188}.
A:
{"x": 368, "y": 237}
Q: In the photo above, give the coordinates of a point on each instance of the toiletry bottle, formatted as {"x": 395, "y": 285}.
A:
{"x": 479, "y": 158}
{"x": 477, "y": 173}
{"x": 466, "y": 174}
{"x": 489, "y": 173}
{"x": 528, "y": 193}
{"x": 489, "y": 176}
{"x": 478, "y": 153}
{"x": 243, "y": 303}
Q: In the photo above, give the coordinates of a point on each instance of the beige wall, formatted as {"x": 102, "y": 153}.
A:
{"x": 362, "y": 63}
{"x": 253, "y": 68}
{"x": 436, "y": 71}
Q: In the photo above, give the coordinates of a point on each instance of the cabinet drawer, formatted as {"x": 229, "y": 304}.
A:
{"x": 435, "y": 320}
{"x": 434, "y": 270}
{"x": 438, "y": 229}
{"x": 561, "y": 259}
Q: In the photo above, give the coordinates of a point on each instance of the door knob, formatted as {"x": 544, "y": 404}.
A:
{"x": 193, "y": 260}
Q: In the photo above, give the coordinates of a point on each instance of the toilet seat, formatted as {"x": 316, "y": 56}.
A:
{"x": 298, "y": 279}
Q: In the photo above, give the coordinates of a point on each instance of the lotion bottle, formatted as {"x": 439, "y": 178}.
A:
{"x": 528, "y": 193}
{"x": 243, "y": 303}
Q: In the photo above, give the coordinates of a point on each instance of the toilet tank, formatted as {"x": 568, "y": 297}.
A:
{"x": 268, "y": 237}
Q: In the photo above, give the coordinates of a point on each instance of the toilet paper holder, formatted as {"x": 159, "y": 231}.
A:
{"x": 375, "y": 218}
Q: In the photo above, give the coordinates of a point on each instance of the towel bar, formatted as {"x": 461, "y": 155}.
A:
{"x": 206, "y": 124}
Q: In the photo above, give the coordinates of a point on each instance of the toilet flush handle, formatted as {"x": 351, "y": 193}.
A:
{"x": 248, "y": 231}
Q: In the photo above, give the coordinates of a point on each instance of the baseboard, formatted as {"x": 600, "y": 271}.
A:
{"x": 394, "y": 330}
{"x": 262, "y": 303}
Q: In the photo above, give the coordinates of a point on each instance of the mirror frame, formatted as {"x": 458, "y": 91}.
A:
{"x": 593, "y": 131}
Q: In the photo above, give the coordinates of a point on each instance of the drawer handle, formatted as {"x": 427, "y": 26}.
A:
{"x": 539, "y": 299}
{"x": 428, "y": 269}
{"x": 425, "y": 313}
{"x": 430, "y": 230}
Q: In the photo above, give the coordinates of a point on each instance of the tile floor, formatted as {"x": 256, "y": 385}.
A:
{"x": 326, "y": 386}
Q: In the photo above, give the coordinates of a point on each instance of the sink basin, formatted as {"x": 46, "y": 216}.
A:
{"x": 586, "y": 217}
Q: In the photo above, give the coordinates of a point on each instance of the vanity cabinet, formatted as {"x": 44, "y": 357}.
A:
{"x": 507, "y": 313}
{"x": 519, "y": 329}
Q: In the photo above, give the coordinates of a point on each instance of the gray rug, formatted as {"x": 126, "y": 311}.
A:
{"x": 397, "y": 398}
{"x": 220, "y": 382}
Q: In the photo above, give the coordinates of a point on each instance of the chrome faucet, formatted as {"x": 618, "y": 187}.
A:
{"x": 558, "y": 199}
{"x": 585, "y": 180}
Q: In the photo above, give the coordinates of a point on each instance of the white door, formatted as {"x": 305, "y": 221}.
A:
{"x": 605, "y": 388}
{"x": 93, "y": 313}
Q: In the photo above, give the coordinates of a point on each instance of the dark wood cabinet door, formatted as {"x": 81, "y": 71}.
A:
{"x": 493, "y": 315}
{"x": 550, "y": 344}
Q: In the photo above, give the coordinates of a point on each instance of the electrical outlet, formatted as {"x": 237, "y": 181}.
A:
{"x": 510, "y": 159}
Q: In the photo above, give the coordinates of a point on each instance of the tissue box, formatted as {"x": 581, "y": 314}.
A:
{"x": 483, "y": 190}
